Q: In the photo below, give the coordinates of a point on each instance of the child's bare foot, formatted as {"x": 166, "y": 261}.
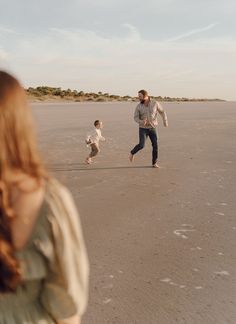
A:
{"x": 88, "y": 160}
{"x": 156, "y": 165}
{"x": 131, "y": 157}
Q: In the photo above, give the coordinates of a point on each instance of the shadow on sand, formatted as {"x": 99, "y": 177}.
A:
{"x": 84, "y": 167}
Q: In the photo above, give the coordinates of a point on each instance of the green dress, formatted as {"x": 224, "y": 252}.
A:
{"x": 54, "y": 265}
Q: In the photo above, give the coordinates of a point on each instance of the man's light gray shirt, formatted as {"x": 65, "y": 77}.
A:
{"x": 149, "y": 112}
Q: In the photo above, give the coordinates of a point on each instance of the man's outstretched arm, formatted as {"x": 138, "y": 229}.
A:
{"x": 163, "y": 114}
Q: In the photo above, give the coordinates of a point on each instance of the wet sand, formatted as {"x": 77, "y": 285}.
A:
{"x": 161, "y": 242}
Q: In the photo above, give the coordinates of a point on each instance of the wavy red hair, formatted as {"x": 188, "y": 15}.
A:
{"x": 18, "y": 152}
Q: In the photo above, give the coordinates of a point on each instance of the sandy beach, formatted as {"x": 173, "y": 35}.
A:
{"x": 161, "y": 242}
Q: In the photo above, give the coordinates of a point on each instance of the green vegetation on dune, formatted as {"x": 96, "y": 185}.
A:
{"x": 45, "y": 93}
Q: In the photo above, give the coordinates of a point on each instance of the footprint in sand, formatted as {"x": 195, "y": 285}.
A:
{"x": 107, "y": 301}
{"x": 182, "y": 232}
{"x": 109, "y": 286}
{"x": 171, "y": 283}
{"x": 222, "y": 273}
{"x": 223, "y": 204}
{"x": 196, "y": 248}
{"x": 219, "y": 213}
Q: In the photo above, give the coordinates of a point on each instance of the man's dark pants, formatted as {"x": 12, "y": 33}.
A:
{"x": 143, "y": 134}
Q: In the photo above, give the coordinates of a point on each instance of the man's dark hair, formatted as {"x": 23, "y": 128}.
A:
{"x": 143, "y": 92}
{"x": 96, "y": 122}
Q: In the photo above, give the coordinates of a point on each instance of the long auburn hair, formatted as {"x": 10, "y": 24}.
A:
{"x": 18, "y": 152}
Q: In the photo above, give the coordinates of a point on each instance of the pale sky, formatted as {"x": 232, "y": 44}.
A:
{"x": 176, "y": 48}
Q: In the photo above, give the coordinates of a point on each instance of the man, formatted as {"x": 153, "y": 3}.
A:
{"x": 146, "y": 116}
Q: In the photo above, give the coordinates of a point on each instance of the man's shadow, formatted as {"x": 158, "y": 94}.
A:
{"x": 57, "y": 167}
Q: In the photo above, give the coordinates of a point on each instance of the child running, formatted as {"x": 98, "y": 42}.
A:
{"x": 93, "y": 139}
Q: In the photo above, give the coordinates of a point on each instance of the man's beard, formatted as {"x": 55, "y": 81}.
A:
{"x": 142, "y": 101}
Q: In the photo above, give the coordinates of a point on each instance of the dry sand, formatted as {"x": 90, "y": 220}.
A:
{"x": 161, "y": 242}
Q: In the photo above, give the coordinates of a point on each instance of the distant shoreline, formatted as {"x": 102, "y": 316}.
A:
{"x": 50, "y": 94}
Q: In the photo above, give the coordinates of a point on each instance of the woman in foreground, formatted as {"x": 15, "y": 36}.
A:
{"x": 43, "y": 260}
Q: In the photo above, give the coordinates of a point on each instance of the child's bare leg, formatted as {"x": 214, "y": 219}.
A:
{"x": 88, "y": 160}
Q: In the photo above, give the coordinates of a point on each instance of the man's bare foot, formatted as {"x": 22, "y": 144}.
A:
{"x": 88, "y": 161}
{"x": 131, "y": 157}
{"x": 156, "y": 165}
